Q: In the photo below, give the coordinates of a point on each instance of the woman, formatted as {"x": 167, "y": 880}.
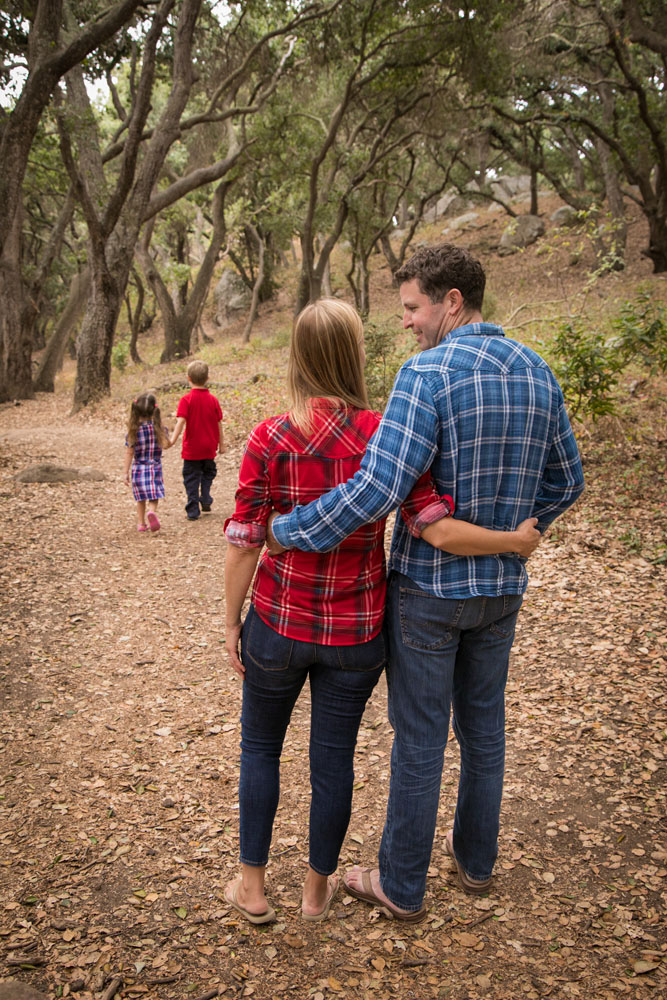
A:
{"x": 315, "y": 615}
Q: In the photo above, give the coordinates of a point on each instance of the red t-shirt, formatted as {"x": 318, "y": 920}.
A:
{"x": 202, "y": 414}
{"x": 331, "y": 598}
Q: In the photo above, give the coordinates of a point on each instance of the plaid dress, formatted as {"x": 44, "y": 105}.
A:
{"x": 147, "y": 482}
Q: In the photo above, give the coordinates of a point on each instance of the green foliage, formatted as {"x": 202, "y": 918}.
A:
{"x": 383, "y": 359}
{"x": 584, "y": 369}
{"x": 120, "y": 354}
{"x": 589, "y": 366}
{"x": 641, "y": 332}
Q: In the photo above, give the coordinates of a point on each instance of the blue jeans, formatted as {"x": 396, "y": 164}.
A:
{"x": 198, "y": 474}
{"x": 341, "y": 681}
{"x": 442, "y": 654}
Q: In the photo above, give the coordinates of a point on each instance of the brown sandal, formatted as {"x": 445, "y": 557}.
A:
{"x": 368, "y": 896}
{"x": 473, "y": 885}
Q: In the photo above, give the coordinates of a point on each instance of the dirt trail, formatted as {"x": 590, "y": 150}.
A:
{"x": 119, "y": 729}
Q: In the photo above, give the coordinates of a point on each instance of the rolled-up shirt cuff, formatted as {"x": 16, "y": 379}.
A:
{"x": 279, "y": 531}
{"x": 245, "y": 534}
{"x": 444, "y": 507}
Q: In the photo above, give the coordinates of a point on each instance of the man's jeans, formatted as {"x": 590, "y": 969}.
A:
{"x": 444, "y": 653}
{"x": 198, "y": 474}
{"x": 341, "y": 681}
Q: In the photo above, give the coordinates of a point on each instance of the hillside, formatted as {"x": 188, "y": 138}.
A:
{"x": 120, "y": 713}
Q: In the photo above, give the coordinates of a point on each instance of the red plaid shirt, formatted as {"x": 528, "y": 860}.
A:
{"x": 331, "y": 598}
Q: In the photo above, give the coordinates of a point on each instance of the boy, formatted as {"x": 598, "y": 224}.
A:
{"x": 200, "y": 414}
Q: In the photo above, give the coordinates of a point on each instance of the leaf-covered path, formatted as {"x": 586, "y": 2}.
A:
{"x": 119, "y": 745}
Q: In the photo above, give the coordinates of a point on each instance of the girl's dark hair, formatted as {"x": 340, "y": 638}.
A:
{"x": 144, "y": 408}
{"x": 441, "y": 268}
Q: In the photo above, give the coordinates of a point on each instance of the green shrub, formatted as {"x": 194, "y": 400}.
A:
{"x": 584, "y": 368}
{"x": 641, "y": 332}
{"x": 588, "y": 365}
{"x": 120, "y": 354}
{"x": 383, "y": 359}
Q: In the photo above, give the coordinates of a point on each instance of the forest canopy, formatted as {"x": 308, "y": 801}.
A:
{"x": 140, "y": 142}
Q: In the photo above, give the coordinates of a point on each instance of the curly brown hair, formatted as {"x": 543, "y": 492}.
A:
{"x": 440, "y": 268}
{"x": 145, "y": 408}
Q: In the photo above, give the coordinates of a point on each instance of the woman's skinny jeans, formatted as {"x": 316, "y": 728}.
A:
{"x": 341, "y": 681}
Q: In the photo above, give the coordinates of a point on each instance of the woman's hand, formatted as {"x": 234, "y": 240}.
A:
{"x": 527, "y": 537}
{"x": 274, "y": 547}
{"x": 232, "y": 640}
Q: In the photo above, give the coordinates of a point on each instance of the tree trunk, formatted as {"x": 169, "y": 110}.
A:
{"x": 326, "y": 279}
{"x": 365, "y": 288}
{"x": 259, "y": 279}
{"x": 48, "y": 61}
{"x": 614, "y": 241}
{"x": 179, "y": 326}
{"x": 114, "y": 232}
{"x": 657, "y": 247}
{"x": 52, "y": 358}
{"x": 352, "y": 278}
{"x": 15, "y": 325}
{"x": 534, "y": 177}
{"x": 389, "y": 254}
{"x": 93, "y": 370}
{"x": 135, "y": 318}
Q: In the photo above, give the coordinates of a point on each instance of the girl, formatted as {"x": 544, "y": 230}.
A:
{"x": 146, "y": 437}
{"x": 315, "y": 617}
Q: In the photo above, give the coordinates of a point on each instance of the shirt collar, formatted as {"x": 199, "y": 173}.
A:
{"x": 475, "y": 330}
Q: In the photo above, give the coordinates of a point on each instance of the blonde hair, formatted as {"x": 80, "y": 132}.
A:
{"x": 198, "y": 373}
{"x": 325, "y": 359}
{"x": 145, "y": 408}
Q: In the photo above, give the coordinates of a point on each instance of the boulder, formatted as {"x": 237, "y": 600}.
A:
{"x": 13, "y": 989}
{"x": 565, "y": 216}
{"x": 90, "y": 475}
{"x": 521, "y": 232}
{"x": 500, "y": 191}
{"x": 232, "y": 297}
{"x": 466, "y": 221}
{"x": 516, "y": 184}
{"x": 47, "y": 473}
{"x": 450, "y": 204}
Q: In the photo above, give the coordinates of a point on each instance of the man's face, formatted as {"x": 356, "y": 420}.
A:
{"x": 426, "y": 319}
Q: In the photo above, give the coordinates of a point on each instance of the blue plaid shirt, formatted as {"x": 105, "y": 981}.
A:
{"x": 487, "y": 416}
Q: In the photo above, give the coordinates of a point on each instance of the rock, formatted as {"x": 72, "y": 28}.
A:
{"x": 450, "y": 204}
{"x": 13, "y": 989}
{"x": 90, "y": 475}
{"x": 464, "y": 221}
{"x": 521, "y": 232}
{"x": 47, "y": 473}
{"x": 565, "y": 216}
{"x": 518, "y": 184}
{"x": 232, "y": 297}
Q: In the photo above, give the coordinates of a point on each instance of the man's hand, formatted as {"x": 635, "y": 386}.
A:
{"x": 232, "y": 640}
{"x": 527, "y": 537}
{"x": 274, "y": 547}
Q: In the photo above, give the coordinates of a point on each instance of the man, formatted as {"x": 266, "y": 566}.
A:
{"x": 487, "y": 416}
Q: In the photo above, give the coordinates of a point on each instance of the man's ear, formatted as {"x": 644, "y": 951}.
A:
{"x": 453, "y": 300}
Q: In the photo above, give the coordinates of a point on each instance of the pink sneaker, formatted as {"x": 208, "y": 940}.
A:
{"x": 142, "y": 527}
{"x": 153, "y": 520}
